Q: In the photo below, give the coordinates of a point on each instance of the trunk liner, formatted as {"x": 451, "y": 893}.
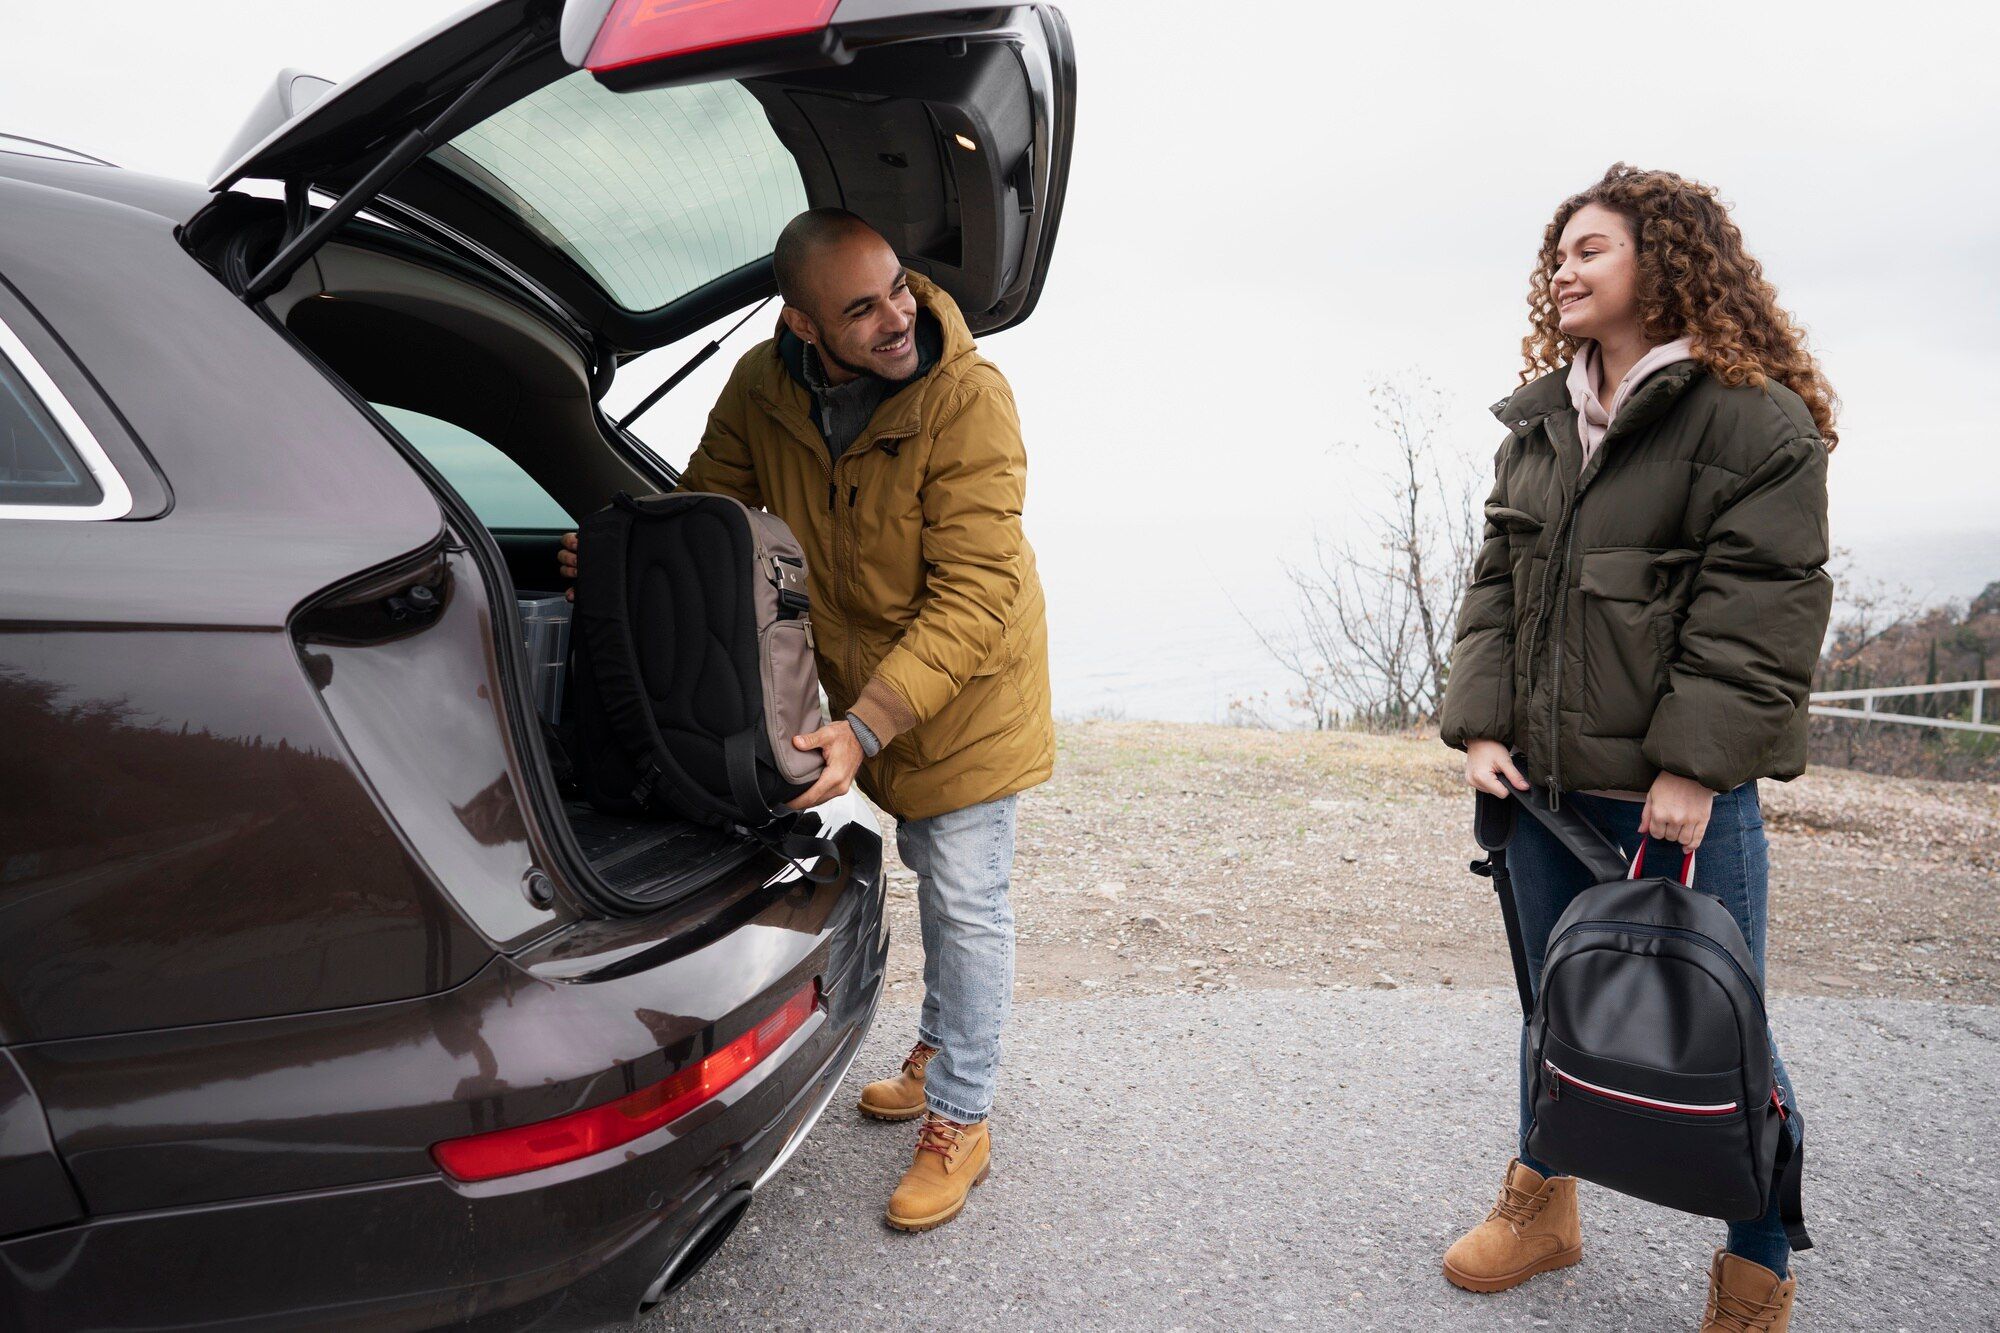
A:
{"x": 645, "y": 859}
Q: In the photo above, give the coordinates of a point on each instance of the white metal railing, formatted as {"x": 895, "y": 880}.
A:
{"x": 1821, "y": 704}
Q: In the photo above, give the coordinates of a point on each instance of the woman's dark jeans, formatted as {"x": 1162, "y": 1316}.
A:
{"x": 1733, "y": 866}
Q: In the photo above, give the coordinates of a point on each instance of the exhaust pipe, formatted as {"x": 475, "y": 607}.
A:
{"x": 697, "y": 1249}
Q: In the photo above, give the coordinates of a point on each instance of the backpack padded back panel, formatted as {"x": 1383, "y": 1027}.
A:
{"x": 693, "y": 626}
{"x": 677, "y": 611}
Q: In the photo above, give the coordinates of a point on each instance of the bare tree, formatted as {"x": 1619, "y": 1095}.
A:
{"x": 1867, "y": 611}
{"x": 1370, "y": 644}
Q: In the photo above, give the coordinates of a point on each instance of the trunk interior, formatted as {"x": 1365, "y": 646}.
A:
{"x": 499, "y": 403}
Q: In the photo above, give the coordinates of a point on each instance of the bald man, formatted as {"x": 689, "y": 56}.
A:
{"x": 872, "y": 425}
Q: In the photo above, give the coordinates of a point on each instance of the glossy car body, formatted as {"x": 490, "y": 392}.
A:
{"x": 288, "y": 893}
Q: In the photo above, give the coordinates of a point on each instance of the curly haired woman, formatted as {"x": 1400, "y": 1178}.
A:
{"x": 1645, "y": 612}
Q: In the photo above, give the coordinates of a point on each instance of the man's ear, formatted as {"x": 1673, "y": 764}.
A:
{"x": 799, "y": 323}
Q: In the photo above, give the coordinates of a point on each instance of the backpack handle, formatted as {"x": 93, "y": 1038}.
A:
{"x": 1687, "y": 862}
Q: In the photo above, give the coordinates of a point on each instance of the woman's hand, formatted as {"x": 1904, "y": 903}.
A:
{"x": 1486, "y": 762}
{"x": 1677, "y": 809}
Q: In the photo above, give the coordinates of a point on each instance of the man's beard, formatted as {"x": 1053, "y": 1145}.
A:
{"x": 852, "y": 369}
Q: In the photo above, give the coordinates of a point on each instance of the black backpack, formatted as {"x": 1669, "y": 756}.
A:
{"x": 694, "y": 668}
{"x": 1650, "y": 1066}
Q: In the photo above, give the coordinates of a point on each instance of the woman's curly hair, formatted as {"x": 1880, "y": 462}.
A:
{"x": 1696, "y": 281}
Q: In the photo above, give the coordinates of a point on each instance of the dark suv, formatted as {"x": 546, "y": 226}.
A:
{"x": 320, "y": 1005}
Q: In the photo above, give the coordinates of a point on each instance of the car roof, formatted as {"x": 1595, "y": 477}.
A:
{"x": 174, "y": 200}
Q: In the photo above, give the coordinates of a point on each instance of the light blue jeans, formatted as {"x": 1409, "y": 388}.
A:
{"x": 963, "y": 861}
{"x": 1734, "y": 866}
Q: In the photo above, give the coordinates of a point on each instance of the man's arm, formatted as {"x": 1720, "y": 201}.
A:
{"x": 972, "y": 498}
{"x": 721, "y": 463}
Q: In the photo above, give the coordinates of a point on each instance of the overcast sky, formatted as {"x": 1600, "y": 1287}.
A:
{"x": 1272, "y": 204}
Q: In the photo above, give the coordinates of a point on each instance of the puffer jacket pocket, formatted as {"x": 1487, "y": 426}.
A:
{"x": 1523, "y": 532}
{"x": 1624, "y": 655}
{"x": 1673, "y": 575}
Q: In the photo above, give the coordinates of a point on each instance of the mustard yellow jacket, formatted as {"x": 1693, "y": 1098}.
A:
{"x": 927, "y": 611}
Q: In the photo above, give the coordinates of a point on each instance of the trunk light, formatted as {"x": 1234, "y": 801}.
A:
{"x": 507, "y": 1152}
{"x": 636, "y": 31}
{"x": 966, "y": 143}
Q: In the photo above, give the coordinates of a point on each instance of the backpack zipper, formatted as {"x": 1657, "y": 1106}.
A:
{"x": 1668, "y": 932}
{"x": 1561, "y": 1077}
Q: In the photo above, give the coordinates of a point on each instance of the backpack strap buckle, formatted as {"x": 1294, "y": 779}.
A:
{"x": 643, "y": 793}
{"x": 789, "y": 578}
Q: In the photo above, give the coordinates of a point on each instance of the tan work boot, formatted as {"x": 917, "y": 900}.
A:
{"x": 951, "y": 1159}
{"x": 900, "y": 1097}
{"x": 1746, "y": 1298}
{"x": 1532, "y": 1229}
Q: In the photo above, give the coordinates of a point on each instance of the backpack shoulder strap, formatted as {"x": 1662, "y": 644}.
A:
{"x": 1601, "y": 856}
{"x": 1493, "y": 829}
{"x": 1788, "y": 1173}
{"x": 776, "y": 828}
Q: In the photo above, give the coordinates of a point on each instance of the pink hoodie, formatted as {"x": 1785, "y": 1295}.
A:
{"x": 1593, "y": 419}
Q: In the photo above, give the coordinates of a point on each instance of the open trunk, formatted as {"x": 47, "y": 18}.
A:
{"x": 534, "y": 224}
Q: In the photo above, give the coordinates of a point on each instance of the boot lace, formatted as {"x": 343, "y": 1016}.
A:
{"x": 1741, "y": 1314}
{"x": 919, "y": 1056}
{"x": 939, "y": 1135}
{"x": 1518, "y": 1206}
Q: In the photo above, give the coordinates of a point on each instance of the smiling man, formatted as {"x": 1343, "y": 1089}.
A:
{"x": 872, "y": 425}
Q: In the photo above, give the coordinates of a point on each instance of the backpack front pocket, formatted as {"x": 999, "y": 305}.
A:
{"x": 1675, "y": 1139}
{"x": 791, "y": 692}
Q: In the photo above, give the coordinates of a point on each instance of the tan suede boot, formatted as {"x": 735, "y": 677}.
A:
{"x": 951, "y": 1158}
{"x": 1532, "y": 1229}
{"x": 1746, "y": 1298}
{"x": 901, "y": 1096}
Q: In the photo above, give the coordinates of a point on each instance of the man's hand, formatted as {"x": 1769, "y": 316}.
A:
{"x": 842, "y": 752}
{"x": 1677, "y": 809}
{"x": 1486, "y": 762}
{"x": 566, "y": 562}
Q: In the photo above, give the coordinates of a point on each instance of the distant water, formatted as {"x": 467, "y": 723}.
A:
{"x": 1181, "y": 650}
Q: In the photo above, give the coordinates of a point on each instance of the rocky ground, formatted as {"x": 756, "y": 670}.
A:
{"x": 1172, "y": 857}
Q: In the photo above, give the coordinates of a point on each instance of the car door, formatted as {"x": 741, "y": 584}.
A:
{"x": 634, "y": 161}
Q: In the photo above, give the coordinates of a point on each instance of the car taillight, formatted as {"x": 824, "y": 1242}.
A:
{"x": 640, "y": 30}
{"x": 507, "y": 1152}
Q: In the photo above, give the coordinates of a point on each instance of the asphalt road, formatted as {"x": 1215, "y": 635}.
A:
{"x": 1266, "y": 1158}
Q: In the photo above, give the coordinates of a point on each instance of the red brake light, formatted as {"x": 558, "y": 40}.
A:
{"x": 640, "y": 30}
{"x": 507, "y": 1152}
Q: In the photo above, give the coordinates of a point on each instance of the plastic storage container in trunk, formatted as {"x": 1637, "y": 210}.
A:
{"x": 546, "y": 620}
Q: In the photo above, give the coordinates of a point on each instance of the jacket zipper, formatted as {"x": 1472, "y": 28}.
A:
{"x": 1556, "y": 664}
{"x": 853, "y": 492}
{"x": 1561, "y": 1077}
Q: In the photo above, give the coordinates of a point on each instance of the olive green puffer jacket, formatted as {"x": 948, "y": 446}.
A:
{"x": 1661, "y": 608}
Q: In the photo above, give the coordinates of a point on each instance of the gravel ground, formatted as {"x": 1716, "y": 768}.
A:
{"x": 1168, "y": 857}
{"x": 1302, "y": 1158}
{"x": 1258, "y": 1073}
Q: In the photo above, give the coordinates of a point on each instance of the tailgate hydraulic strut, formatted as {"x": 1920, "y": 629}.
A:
{"x": 299, "y": 244}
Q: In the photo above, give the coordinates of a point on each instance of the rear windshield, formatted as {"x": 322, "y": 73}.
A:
{"x": 652, "y": 193}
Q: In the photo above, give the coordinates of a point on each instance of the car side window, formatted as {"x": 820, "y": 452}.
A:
{"x": 500, "y": 493}
{"x": 51, "y": 467}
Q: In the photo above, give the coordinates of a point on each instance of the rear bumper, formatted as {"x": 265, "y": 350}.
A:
{"x": 568, "y": 1247}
